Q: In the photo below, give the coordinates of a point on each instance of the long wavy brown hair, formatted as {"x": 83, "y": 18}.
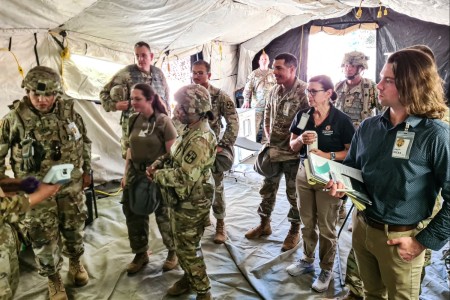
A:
{"x": 148, "y": 92}
{"x": 418, "y": 83}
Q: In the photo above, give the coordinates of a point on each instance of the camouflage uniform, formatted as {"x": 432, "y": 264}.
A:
{"x": 258, "y": 85}
{"x": 281, "y": 107}
{"x": 141, "y": 157}
{"x": 185, "y": 181}
{"x": 57, "y": 137}
{"x": 126, "y": 78}
{"x": 222, "y": 106}
{"x": 11, "y": 209}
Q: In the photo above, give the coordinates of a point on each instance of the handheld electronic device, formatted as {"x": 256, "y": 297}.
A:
{"x": 58, "y": 174}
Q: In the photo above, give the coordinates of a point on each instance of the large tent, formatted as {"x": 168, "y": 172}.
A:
{"x": 228, "y": 33}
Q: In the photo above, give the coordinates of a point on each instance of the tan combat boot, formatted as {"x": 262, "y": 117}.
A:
{"x": 261, "y": 229}
{"x": 77, "y": 272}
{"x": 292, "y": 238}
{"x": 182, "y": 286}
{"x": 171, "y": 261}
{"x": 221, "y": 234}
{"x": 205, "y": 296}
{"x": 56, "y": 288}
{"x": 140, "y": 259}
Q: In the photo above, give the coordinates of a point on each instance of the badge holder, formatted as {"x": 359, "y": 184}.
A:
{"x": 403, "y": 143}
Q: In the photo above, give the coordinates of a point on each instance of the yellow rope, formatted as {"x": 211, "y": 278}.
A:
{"x": 19, "y": 68}
{"x": 109, "y": 194}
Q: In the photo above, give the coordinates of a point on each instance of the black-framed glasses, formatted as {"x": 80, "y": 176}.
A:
{"x": 313, "y": 92}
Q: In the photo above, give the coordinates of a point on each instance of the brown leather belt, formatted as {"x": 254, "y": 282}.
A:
{"x": 380, "y": 226}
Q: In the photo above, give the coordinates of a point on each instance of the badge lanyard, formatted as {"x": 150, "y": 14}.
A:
{"x": 403, "y": 143}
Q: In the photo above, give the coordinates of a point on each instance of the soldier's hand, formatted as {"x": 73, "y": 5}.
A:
{"x": 123, "y": 182}
{"x": 150, "y": 172}
{"x": 122, "y": 105}
{"x": 219, "y": 149}
{"x": 246, "y": 104}
{"x": 43, "y": 192}
{"x": 86, "y": 180}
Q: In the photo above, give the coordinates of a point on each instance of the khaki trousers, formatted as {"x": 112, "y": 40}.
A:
{"x": 319, "y": 215}
{"x": 384, "y": 273}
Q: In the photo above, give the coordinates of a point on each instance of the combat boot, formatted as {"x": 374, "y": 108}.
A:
{"x": 261, "y": 229}
{"x": 77, "y": 272}
{"x": 140, "y": 259}
{"x": 171, "y": 261}
{"x": 56, "y": 288}
{"x": 180, "y": 287}
{"x": 292, "y": 238}
{"x": 205, "y": 296}
{"x": 221, "y": 234}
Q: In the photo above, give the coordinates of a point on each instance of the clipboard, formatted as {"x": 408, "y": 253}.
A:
{"x": 318, "y": 170}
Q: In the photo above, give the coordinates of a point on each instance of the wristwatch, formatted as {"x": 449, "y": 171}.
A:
{"x": 333, "y": 156}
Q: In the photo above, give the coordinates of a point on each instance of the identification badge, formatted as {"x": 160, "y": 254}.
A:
{"x": 74, "y": 130}
{"x": 303, "y": 121}
{"x": 402, "y": 145}
{"x": 286, "y": 108}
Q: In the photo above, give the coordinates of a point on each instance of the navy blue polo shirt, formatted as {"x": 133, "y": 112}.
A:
{"x": 334, "y": 132}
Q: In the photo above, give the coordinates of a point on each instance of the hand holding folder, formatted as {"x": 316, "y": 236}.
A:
{"x": 321, "y": 170}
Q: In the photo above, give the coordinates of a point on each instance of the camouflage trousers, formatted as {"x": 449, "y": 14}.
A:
{"x": 259, "y": 126}
{"x": 9, "y": 262}
{"x": 353, "y": 279}
{"x": 138, "y": 226}
{"x": 188, "y": 228}
{"x": 62, "y": 216}
{"x": 270, "y": 187}
{"x": 219, "y": 204}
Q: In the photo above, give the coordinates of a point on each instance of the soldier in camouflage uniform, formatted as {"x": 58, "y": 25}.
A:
{"x": 43, "y": 130}
{"x": 258, "y": 85}
{"x": 185, "y": 180}
{"x": 151, "y": 134}
{"x": 222, "y": 107}
{"x": 12, "y": 208}
{"x": 357, "y": 96}
{"x": 283, "y": 102}
{"x": 119, "y": 98}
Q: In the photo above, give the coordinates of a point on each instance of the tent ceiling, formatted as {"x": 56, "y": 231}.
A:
{"x": 179, "y": 24}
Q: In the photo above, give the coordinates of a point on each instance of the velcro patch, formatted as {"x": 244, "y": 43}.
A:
{"x": 190, "y": 157}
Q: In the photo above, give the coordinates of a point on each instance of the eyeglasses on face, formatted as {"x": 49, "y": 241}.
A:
{"x": 199, "y": 73}
{"x": 312, "y": 92}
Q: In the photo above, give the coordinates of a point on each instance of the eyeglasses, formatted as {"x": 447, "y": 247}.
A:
{"x": 313, "y": 92}
{"x": 200, "y": 73}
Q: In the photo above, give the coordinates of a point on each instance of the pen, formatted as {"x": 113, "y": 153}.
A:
{"x": 338, "y": 190}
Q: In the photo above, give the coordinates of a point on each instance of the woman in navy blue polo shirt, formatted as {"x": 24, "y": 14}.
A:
{"x": 318, "y": 210}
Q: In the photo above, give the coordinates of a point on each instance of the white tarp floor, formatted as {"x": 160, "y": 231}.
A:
{"x": 239, "y": 269}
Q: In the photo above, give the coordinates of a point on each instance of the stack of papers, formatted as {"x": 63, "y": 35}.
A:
{"x": 322, "y": 170}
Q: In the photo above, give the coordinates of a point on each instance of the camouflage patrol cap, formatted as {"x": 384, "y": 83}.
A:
{"x": 194, "y": 96}
{"x": 355, "y": 58}
{"x": 119, "y": 93}
{"x": 42, "y": 80}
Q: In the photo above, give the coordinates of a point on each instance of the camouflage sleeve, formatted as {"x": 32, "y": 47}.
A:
{"x": 268, "y": 109}
{"x": 5, "y": 129}
{"x": 108, "y": 103}
{"x": 228, "y": 111}
{"x": 248, "y": 89}
{"x": 192, "y": 164}
{"x": 12, "y": 207}
{"x": 86, "y": 144}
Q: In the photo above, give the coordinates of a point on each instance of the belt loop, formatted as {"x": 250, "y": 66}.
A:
{"x": 386, "y": 229}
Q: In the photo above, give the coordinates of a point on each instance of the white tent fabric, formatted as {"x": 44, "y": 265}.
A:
{"x": 229, "y": 33}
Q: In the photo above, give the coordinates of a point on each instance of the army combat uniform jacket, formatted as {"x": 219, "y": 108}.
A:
{"x": 11, "y": 209}
{"x": 259, "y": 83}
